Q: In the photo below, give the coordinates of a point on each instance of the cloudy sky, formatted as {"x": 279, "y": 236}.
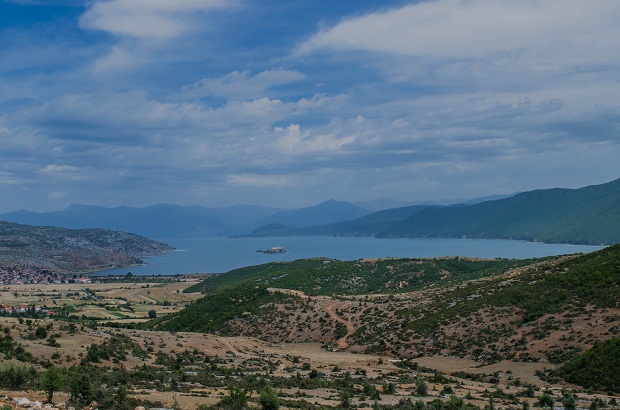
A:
{"x": 289, "y": 103}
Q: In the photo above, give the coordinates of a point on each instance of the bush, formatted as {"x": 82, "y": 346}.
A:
{"x": 237, "y": 399}
{"x": 421, "y": 388}
{"x": 268, "y": 399}
{"x": 40, "y": 332}
{"x": 545, "y": 401}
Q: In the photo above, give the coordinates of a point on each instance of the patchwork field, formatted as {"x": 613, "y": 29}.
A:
{"x": 111, "y": 301}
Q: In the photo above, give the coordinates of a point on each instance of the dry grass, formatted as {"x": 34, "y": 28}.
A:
{"x": 123, "y": 300}
{"x": 234, "y": 351}
{"x": 111, "y": 301}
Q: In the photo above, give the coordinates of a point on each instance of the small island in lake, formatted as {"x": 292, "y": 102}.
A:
{"x": 273, "y": 249}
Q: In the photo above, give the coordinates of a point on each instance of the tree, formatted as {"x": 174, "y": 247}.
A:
{"x": 421, "y": 388}
{"x": 152, "y": 314}
{"x": 455, "y": 403}
{"x": 345, "y": 390}
{"x": 237, "y": 399}
{"x": 120, "y": 399}
{"x": 40, "y": 332}
{"x": 569, "y": 401}
{"x": 13, "y": 377}
{"x": 371, "y": 391}
{"x": 389, "y": 388}
{"x": 268, "y": 399}
{"x": 546, "y": 401}
{"x": 81, "y": 386}
{"x": 52, "y": 380}
{"x": 345, "y": 397}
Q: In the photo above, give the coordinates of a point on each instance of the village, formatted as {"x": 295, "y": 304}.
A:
{"x": 30, "y": 275}
{"x": 25, "y": 310}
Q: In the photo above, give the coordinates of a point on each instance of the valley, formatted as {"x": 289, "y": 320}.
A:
{"x": 446, "y": 333}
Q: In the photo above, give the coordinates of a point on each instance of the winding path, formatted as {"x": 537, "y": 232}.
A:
{"x": 330, "y": 308}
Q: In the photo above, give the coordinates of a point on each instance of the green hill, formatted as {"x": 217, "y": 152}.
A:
{"x": 591, "y": 279}
{"x": 488, "y": 310}
{"x": 245, "y": 290}
{"x": 596, "y": 368}
{"x": 589, "y": 215}
{"x": 321, "y": 276}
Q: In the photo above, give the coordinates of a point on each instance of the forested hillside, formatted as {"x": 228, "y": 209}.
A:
{"x": 589, "y": 215}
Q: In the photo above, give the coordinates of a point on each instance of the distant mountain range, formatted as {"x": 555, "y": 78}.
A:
{"x": 158, "y": 221}
{"x": 589, "y": 215}
{"x": 324, "y": 213}
{"x": 368, "y": 225}
{"x": 173, "y": 221}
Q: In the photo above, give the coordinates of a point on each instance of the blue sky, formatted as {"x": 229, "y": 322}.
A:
{"x": 219, "y": 102}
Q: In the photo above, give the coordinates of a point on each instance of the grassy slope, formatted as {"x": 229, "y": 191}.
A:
{"x": 327, "y": 276}
{"x": 589, "y": 215}
{"x": 588, "y": 279}
{"x": 244, "y": 290}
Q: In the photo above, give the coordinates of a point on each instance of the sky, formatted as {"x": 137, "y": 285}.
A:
{"x": 290, "y": 103}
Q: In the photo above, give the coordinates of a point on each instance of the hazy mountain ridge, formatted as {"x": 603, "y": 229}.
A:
{"x": 174, "y": 221}
{"x": 589, "y": 215}
{"x": 73, "y": 250}
{"x": 157, "y": 221}
{"x": 324, "y": 213}
{"x": 368, "y": 225}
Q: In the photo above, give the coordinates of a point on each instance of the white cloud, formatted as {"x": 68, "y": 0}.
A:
{"x": 563, "y": 32}
{"x": 259, "y": 180}
{"x": 18, "y": 140}
{"x": 240, "y": 85}
{"x": 63, "y": 171}
{"x": 9, "y": 178}
{"x": 152, "y": 19}
{"x": 118, "y": 58}
{"x": 57, "y": 195}
{"x": 292, "y": 140}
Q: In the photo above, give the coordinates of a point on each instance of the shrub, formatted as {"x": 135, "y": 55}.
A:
{"x": 268, "y": 399}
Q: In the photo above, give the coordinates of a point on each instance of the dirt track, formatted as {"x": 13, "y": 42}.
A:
{"x": 330, "y": 306}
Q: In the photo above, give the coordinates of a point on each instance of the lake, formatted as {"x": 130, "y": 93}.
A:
{"x": 217, "y": 255}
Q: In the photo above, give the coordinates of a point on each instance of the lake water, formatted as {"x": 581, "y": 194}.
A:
{"x": 217, "y": 255}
